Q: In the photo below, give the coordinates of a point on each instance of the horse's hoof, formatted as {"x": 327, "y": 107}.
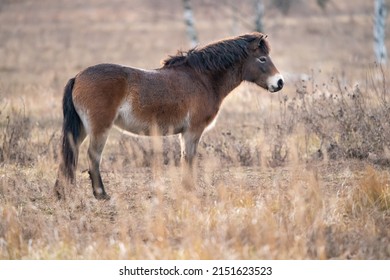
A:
{"x": 58, "y": 195}
{"x": 59, "y": 191}
{"x": 102, "y": 196}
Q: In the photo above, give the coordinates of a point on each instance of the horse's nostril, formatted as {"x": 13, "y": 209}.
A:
{"x": 280, "y": 83}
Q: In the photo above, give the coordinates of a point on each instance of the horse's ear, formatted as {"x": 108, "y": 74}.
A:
{"x": 262, "y": 38}
{"x": 263, "y": 44}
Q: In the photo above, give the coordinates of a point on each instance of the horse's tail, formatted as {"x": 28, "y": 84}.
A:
{"x": 70, "y": 133}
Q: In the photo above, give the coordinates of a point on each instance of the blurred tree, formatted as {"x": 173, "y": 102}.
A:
{"x": 190, "y": 22}
{"x": 322, "y": 3}
{"x": 380, "y": 13}
{"x": 259, "y": 10}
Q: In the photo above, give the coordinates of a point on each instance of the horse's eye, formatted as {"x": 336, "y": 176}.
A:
{"x": 262, "y": 59}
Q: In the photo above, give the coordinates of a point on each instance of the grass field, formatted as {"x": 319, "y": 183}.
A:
{"x": 300, "y": 174}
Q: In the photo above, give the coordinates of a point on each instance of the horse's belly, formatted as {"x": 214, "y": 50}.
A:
{"x": 128, "y": 121}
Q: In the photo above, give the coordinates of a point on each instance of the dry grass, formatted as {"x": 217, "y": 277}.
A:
{"x": 263, "y": 192}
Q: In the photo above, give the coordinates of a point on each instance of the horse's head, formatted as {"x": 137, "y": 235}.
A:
{"x": 258, "y": 67}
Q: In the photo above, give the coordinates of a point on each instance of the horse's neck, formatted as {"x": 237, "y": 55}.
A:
{"x": 228, "y": 81}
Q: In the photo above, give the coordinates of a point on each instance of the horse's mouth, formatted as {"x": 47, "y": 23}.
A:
{"x": 274, "y": 89}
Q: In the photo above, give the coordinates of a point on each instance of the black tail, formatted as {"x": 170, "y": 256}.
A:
{"x": 70, "y": 132}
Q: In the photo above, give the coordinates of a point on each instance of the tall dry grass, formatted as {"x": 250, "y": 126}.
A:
{"x": 252, "y": 200}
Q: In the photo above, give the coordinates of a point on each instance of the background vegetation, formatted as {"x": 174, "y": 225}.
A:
{"x": 300, "y": 174}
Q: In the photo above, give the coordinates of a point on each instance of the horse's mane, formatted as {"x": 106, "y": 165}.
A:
{"x": 217, "y": 56}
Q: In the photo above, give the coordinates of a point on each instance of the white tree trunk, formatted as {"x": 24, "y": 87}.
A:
{"x": 190, "y": 23}
{"x": 259, "y": 8}
{"x": 380, "y": 14}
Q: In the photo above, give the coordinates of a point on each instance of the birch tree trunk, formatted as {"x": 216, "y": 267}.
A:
{"x": 190, "y": 23}
{"x": 380, "y": 13}
{"x": 259, "y": 10}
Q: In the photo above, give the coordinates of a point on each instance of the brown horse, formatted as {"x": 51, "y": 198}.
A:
{"x": 182, "y": 97}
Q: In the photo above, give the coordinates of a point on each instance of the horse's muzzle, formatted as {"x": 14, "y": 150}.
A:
{"x": 275, "y": 83}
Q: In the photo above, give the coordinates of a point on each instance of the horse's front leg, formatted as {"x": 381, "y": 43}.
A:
{"x": 189, "y": 145}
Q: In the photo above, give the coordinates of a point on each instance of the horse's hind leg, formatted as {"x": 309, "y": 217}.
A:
{"x": 96, "y": 146}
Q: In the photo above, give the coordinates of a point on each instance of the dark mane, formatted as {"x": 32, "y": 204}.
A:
{"x": 217, "y": 56}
